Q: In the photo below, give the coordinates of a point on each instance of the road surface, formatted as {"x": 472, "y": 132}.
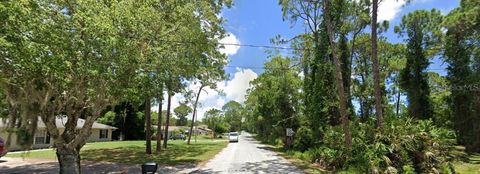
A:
{"x": 248, "y": 156}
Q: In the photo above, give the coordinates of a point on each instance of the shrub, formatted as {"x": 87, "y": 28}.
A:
{"x": 303, "y": 139}
{"x": 404, "y": 146}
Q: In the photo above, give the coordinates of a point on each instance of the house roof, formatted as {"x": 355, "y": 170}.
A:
{"x": 60, "y": 122}
{"x": 172, "y": 128}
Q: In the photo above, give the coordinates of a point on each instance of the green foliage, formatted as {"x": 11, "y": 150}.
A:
{"x": 303, "y": 139}
{"x": 182, "y": 112}
{"x": 273, "y": 100}
{"x": 423, "y": 35}
{"x": 233, "y": 112}
{"x": 214, "y": 119}
{"x": 404, "y": 146}
{"x": 108, "y": 118}
{"x": 461, "y": 52}
{"x": 439, "y": 96}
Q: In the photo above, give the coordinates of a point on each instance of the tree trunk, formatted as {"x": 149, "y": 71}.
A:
{"x": 69, "y": 160}
{"x": 159, "y": 124}
{"x": 194, "y": 113}
{"x": 398, "y": 99}
{"x": 169, "y": 102}
{"x": 338, "y": 78}
{"x": 148, "y": 126}
{"x": 376, "y": 71}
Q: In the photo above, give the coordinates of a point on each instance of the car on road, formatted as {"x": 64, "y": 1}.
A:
{"x": 3, "y": 147}
{"x": 178, "y": 137}
{"x": 233, "y": 136}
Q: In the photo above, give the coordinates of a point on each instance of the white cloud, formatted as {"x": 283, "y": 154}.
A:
{"x": 236, "y": 88}
{"x": 388, "y": 9}
{"x": 230, "y": 50}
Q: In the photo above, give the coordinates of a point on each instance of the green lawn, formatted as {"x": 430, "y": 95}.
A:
{"x": 472, "y": 165}
{"x": 133, "y": 152}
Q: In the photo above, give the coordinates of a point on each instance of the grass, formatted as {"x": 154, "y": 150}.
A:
{"x": 133, "y": 152}
{"x": 470, "y": 165}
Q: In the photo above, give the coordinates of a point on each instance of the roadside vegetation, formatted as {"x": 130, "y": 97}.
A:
{"x": 360, "y": 104}
{"x": 355, "y": 101}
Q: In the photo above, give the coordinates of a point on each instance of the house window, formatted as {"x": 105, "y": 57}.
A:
{"x": 41, "y": 137}
{"x": 103, "y": 133}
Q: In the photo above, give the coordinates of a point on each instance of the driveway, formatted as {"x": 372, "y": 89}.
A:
{"x": 248, "y": 156}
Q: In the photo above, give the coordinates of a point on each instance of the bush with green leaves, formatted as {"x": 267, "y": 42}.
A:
{"x": 303, "y": 139}
{"x": 404, "y": 146}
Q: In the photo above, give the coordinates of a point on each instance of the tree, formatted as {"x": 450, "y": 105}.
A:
{"x": 81, "y": 49}
{"x": 72, "y": 73}
{"x": 208, "y": 76}
{"x": 461, "y": 44}
{"x": 439, "y": 96}
{"x": 273, "y": 99}
{"x": 214, "y": 120}
{"x": 159, "y": 122}
{"x": 167, "y": 118}
{"x": 346, "y": 71}
{"x": 233, "y": 115}
{"x": 320, "y": 99}
{"x": 182, "y": 112}
{"x": 376, "y": 70}
{"x": 422, "y": 28}
{"x": 148, "y": 126}
{"x": 338, "y": 77}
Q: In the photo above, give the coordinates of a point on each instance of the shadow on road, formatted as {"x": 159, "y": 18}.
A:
{"x": 269, "y": 166}
{"x": 89, "y": 167}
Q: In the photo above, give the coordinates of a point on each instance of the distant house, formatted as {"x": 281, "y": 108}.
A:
{"x": 200, "y": 130}
{"x": 41, "y": 139}
{"x": 204, "y": 130}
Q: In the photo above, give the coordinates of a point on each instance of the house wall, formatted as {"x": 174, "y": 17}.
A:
{"x": 15, "y": 146}
{"x": 94, "y": 137}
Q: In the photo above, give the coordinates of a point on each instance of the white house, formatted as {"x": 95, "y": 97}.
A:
{"x": 41, "y": 139}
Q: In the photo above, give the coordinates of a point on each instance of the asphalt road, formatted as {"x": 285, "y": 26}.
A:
{"x": 248, "y": 156}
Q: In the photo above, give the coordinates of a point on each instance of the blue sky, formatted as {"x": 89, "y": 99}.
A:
{"x": 255, "y": 22}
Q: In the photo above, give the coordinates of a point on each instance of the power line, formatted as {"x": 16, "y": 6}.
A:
{"x": 240, "y": 45}
{"x": 260, "y": 46}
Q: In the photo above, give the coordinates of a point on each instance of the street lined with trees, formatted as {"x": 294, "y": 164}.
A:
{"x": 345, "y": 99}
{"x": 345, "y": 82}
{"x": 77, "y": 58}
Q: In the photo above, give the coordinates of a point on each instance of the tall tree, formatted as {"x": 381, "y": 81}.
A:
{"x": 148, "y": 126}
{"x": 346, "y": 71}
{"x": 159, "y": 122}
{"x": 422, "y": 29}
{"x": 338, "y": 77}
{"x": 461, "y": 53}
{"x": 208, "y": 76}
{"x": 376, "y": 69}
{"x": 167, "y": 117}
{"x": 194, "y": 112}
